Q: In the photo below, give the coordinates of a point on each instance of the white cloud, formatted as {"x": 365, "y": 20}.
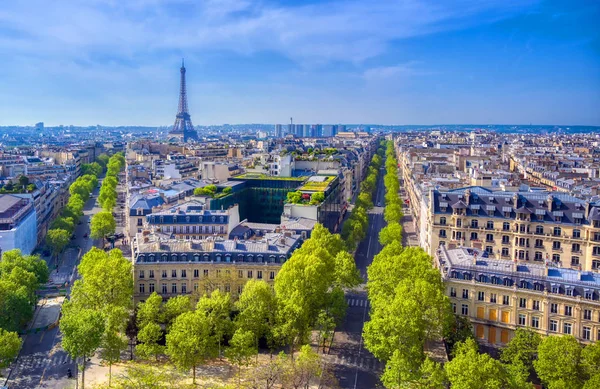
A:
{"x": 350, "y": 31}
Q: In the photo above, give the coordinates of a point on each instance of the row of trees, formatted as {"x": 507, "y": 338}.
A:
{"x": 63, "y": 226}
{"x": 393, "y": 202}
{"x": 285, "y": 315}
{"x": 99, "y": 308}
{"x": 20, "y": 277}
{"x": 355, "y": 228}
{"x": 103, "y": 223}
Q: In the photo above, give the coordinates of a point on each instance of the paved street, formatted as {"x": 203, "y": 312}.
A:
{"x": 353, "y": 365}
{"x": 42, "y": 363}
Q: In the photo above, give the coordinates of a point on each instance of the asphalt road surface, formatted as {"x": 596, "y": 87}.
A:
{"x": 42, "y": 363}
{"x": 353, "y": 365}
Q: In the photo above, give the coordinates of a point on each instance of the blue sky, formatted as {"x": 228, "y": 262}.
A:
{"x": 112, "y": 62}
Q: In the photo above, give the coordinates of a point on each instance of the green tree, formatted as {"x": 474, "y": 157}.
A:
{"x": 102, "y": 224}
{"x": 80, "y": 188}
{"x": 113, "y": 339}
{"x": 590, "y": 359}
{"x": 305, "y": 369}
{"x": 174, "y": 307}
{"x": 64, "y": 223}
{"x": 10, "y": 344}
{"x": 149, "y": 336}
{"x": 522, "y": 348}
{"x": 457, "y": 329}
{"x": 241, "y": 348}
{"x": 82, "y": 331}
{"x": 471, "y": 370}
{"x": 256, "y": 306}
{"x": 105, "y": 282}
{"x": 558, "y": 364}
{"x": 390, "y": 233}
{"x": 294, "y": 197}
{"x": 393, "y": 213}
{"x": 217, "y": 309}
{"x": 190, "y": 341}
{"x": 31, "y": 263}
{"x": 150, "y": 310}
{"x": 413, "y": 370}
{"x": 57, "y": 240}
{"x": 16, "y": 309}
{"x": 102, "y": 159}
{"x": 227, "y": 190}
{"x": 317, "y": 198}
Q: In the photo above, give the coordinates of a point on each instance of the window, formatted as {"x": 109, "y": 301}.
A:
{"x": 587, "y": 333}
{"x": 556, "y": 245}
{"x": 474, "y": 236}
{"x": 218, "y": 271}
{"x": 164, "y": 274}
{"x": 489, "y": 237}
{"x": 205, "y": 272}
{"x": 480, "y": 296}
{"x": 522, "y": 319}
{"x": 557, "y": 231}
{"x": 576, "y": 233}
{"x": 522, "y": 303}
{"x": 151, "y": 287}
{"x": 505, "y": 251}
{"x": 453, "y": 307}
{"x": 474, "y": 223}
{"x": 490, "y": 225}
{"x": 536, "y": 305}
{"x": 567, "y": 328}
{"x": 173, "y": 273}
{"x": 458, "y": 223}
{"x": 595, "y": 264}
{"x": 569, "y": 292}
{"x": 142, "y": 288}
{"x": 164, "y": 288}
{"x": 140, "y": 222}
{"x": 505, "y": 239}
{"x": 538, "y": 256}
{"x": 249, "y": 273}
{"x": 553, "y": 308}
{"x": 553, "y": 326}
{"x": 596, "y": 250}
{"x": 568, "y": 310}
{"x": 574, "y": 260}
{"x": 506, "y": 300}
{"x": 587, "y": 314}
{"x": 183, "y": 273}
{"x": 465, "y": 293}
{"x": 535, "y": 322}
{"x": 506, "y": 226}
{"x": 150, "y": 273}
{"x": 539, "y": 230}
{"x": 196, "y": 273}
{"x": 141, "y": 274}
{"x": 173, "y": 288}
{"x": 195, "y": 286}
{"x": 489, "y": 250}
{"x": 465, "y": 309}
{"x": 555, "y": 257}
{"x": 184, "y": 288}
{"x": 443, "y": 221}
{"x": 240, "y": 274}
{"x": 442, "y": 233}
{"x": 259, "y": 274}
{"x": 272, "y": 275}
{"x": 493, "y": 298}
{"x": 539, "y": 243}
{"x": 576, "y": 247}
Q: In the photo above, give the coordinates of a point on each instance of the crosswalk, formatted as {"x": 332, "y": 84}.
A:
{"x": 368, "y": 363}
{"x": 40, "y": 362}
{"x": 358, "y": 302}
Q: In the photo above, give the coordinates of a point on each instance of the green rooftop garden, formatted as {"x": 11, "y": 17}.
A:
{"x": 317, "y": 186}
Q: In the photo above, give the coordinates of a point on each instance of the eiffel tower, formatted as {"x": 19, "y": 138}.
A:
{"x": 183, "y": 129}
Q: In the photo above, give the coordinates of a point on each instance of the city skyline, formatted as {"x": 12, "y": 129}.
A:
{"x": 409, "y": 62}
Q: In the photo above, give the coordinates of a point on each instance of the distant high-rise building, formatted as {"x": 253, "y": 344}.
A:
{"x": 183, "y": 129}
{"x": 278, "y": 131}
{"x": 306, "y": 133}
{"x": 39, "y": 126}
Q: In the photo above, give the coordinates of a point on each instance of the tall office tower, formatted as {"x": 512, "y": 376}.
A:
{"x": 306, "y": 131}
{"x": 328, "y": 130}
{"x": 183, "y": 129}
{"x": 278, "y": 131}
